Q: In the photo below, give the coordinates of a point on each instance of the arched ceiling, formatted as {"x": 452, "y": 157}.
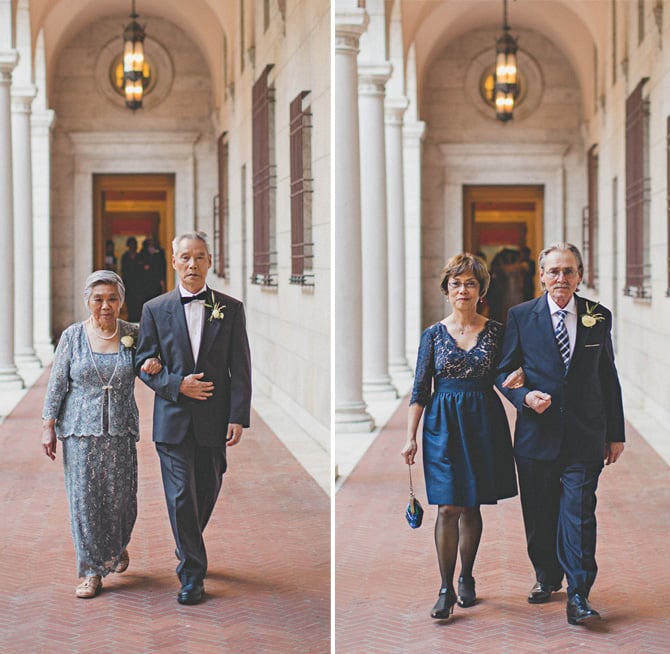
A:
{"x": 576, "y": 27}
{"x": 204, "y": 21}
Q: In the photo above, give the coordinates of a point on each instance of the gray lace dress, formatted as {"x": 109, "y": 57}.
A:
{"x": 91, "y": 396}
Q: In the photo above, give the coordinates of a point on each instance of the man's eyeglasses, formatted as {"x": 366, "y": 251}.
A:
{"x": 554, "y": 273}
{"x": 471, "y": 284}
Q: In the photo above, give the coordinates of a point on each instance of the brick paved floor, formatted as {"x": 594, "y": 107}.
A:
{"x": 387, "y": 576}
{"x": 268, "y": 542}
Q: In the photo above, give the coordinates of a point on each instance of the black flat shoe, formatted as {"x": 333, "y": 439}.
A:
{"x": 191, "y": 593}
{"x": 580, "y": 611}
{"x": 444, "y": 606}
{"x": 541, "y": 592}
{"x": 466, "y": 592}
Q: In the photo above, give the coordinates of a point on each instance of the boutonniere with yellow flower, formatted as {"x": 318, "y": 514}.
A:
{"x": 217, "y": 309}
{"x": 128, "y": 341}
{"x": 590, "y": 318}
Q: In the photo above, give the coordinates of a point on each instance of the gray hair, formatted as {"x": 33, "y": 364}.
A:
{"x": 108, "y": 277}
{"x": 562, "y": 247}
{"x": 191, "y": 236}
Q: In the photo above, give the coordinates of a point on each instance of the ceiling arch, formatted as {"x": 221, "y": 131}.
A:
{"x": 206, "y": 22}
{"x": 577, "y": 28}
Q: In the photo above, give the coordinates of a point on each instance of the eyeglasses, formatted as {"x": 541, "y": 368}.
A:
{"x": 471, "y": 284}
{"x": 554, "y": 273}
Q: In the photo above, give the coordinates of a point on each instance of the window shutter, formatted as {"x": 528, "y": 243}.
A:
{"x": 262, "y": 176}
{"x": 636, "y": 113}
{"x": 221, "y": 207}
{"x": 591, "y": 226}
{"x": 300, "y": 188}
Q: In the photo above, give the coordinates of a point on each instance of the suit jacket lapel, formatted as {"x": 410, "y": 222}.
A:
{"x": 545, "y": 328}
{"x": 177, "y": 319}
{"x": 210, "y": 329}
{"x": 582, "y": 332}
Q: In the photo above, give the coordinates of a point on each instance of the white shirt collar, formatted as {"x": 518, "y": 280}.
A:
{"x": 571, "y": 306}
{"x": 184, "y": 293}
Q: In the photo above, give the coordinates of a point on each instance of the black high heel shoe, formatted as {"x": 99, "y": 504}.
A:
{"x": 466, "y": 592}
{"x": 444, "y": 606}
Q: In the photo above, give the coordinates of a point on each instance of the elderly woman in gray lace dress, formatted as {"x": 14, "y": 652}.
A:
{"x": 90, "y": 407}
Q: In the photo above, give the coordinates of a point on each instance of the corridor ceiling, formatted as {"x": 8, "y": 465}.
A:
{"x": 207, "y": 22}
{"x": 576, "y": 27}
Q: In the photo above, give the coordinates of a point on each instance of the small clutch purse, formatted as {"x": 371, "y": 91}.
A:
{"x": 414, "y": 510}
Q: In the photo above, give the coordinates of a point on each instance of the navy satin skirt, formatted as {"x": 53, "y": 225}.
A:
{"x": 467, "y": 447}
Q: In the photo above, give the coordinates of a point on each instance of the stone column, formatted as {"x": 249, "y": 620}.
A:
{"x": 41, "y": 122}
{"x": 371, "y": 81}
{"x": 23, "y": 227}
{"x": 412, "y": 139}
{"x": 350, "y": 409}
{"x": 395, "y": 108}
{"x": 9, "y": 377}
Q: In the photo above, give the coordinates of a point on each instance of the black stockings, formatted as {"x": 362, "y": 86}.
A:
{"x": 457, "y": 530}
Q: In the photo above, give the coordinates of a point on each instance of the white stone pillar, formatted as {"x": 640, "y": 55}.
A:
{"x": 9, "y": 378}
{"x": 41, "y": 122}
{"x": 350, "y": 409}
{"x": 371, "y": 81}
{"x": 412, "y": 139}
{"x": 23, "y": 227}
{"x": 395, "y": 108}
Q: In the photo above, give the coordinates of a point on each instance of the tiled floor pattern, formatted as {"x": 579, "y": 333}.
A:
{"x": 268, "y": 542}
{"x": 387, "y": 575}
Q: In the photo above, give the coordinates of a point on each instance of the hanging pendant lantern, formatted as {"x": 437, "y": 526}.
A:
{"x": 506, "y": 86}
{"x": 133, "y": 62}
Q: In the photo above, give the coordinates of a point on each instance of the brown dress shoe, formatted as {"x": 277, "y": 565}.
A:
{"x": 124, "y": 562}
{"x": 90, "y": 587}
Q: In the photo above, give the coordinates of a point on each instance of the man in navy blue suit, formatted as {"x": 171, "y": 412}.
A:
{"x": 569, "y": 420}
{"x": 203, "y": 398}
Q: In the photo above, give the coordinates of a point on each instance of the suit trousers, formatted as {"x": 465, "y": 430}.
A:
{"x": 558, "y": 501}
{"x": 192, "y": 477}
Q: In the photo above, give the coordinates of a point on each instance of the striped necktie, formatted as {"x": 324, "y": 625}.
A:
{"x": 561, "y": 333}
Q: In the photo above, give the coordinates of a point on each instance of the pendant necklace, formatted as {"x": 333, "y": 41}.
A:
{"x": 108, "y": 385}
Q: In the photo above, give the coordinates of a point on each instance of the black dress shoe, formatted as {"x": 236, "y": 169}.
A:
{"x": 541, "y": 592}
{"x": 191, "y": 593}
{"x": 579, "y": 610}
{"x": 466, "y": 592}
{"x": 444, "y": 606}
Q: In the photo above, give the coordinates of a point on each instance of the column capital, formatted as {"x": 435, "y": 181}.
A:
{"x": 415, "y": 130}
{"x": 22, "y": 98}
{"x": 42, "y": 119}
{"x": 8, "y": 61}
{"x": 394, "y": 109}
{"x": 372, "y": 78}
{"x": 349, "y": 25}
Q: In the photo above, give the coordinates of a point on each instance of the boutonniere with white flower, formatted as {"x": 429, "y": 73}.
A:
{"x": 590, "y": 318}
{"x": 217, "y": 309}
{"x": 128, "y": 341}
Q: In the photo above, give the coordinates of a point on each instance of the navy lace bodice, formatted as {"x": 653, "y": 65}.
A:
{"x": 439, "y": 356}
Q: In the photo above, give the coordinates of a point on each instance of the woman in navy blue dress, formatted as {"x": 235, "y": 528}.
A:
{"x": 467, "y": 448}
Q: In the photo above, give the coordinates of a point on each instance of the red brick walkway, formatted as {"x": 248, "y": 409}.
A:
{"x": 268, "y": 542}
{"x": 387, "y": 576}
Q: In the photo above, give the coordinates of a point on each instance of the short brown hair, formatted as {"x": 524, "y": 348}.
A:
{"x": 466, "y": 262}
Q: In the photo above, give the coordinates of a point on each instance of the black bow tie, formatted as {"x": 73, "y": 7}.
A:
{"x": 185, "y": 299}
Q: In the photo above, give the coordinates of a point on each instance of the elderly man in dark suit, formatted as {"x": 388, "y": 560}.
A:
{"x": 203, "y": 398}
{"x": 569, "y": 420}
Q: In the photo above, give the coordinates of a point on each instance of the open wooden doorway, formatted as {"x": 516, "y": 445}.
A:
{"x": 505, "y": 224}
{"x": 133, "y": 206}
